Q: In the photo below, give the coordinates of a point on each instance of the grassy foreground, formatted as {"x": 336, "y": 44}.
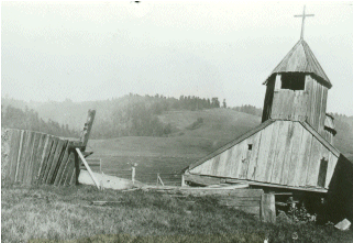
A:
{"x": 48, "y": 214}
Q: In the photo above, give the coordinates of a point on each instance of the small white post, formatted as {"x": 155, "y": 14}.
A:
{"x": 133, "y": 173}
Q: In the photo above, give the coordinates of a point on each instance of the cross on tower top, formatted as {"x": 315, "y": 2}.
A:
{"x": 304, "y": 15}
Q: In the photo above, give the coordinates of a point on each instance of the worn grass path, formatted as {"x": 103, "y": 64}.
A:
{"x": 50, "y": 214}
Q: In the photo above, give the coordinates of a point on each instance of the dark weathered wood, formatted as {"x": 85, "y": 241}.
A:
{"x": 203, "y": 181}
{"x": 59, "y": 151}
{"x": 69, "y": 168}
{"x": 14, "y": 152}
{"x": 62, "y": 164}
{"x": 26, "y": 156}
{"x": 64, "y": 174}
{"x": 87, "y": 128}
{"x": 38, "y": 157}
{"x": 45, "y": 154}
{"x": 72, "y": 181}
{"x": 31, "y": 161}
{"x": 49, "y": 162}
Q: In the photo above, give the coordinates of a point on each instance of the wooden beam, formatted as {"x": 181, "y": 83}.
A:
{"x": 87, "y": 167}
{"x": 87, "y": 127}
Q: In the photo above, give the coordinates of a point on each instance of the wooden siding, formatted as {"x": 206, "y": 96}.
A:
{"x": 284, "y": 153}
{"x": 300, "y": 105}
{"x": 38, "y": 158}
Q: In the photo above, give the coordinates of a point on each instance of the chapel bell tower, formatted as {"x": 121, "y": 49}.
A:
{"x": 297, "y": 90}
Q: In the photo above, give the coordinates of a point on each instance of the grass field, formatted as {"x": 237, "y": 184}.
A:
{"x": 49, "y": 214}
{"x": 169, "y": 155}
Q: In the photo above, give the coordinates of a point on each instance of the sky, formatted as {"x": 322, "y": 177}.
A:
{"x": 53, "y": 51}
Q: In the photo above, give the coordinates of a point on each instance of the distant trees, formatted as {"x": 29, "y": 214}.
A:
{"x": 249, "y": 109}
{"x": 28, "y": 119}
{"x": 139, "y": 115}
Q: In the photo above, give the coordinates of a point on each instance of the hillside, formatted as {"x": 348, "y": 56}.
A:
{"x": 191, "y": 133}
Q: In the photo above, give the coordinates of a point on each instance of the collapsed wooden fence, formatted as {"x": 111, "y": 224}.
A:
{"x": 37, "y": 158}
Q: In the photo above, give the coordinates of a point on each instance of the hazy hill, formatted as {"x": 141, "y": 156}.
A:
{"x": 208, "y": 127}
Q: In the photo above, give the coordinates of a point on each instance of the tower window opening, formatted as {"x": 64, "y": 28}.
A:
{"x": 250, "y": 147}
{"x": 293, "y": 81}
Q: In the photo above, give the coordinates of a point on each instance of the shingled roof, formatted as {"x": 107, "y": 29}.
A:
{"x": 301, "y": 59}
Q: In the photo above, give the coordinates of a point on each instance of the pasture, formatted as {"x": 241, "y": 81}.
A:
{"x": 48, "y": 214}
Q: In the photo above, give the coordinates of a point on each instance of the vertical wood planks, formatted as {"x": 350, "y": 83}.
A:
{"x": 292, "y": 136}
{"x": 280, "y": 151}
{"x": 70, "y": 170}
{"x": 313, "y": 169}
{"x": 296, "y": 156}
{"x": 223, "y": 162}
{"x": 264, "y": 150}
{"x": 37, "y": 157}
{"x": 272, "y": 152}
{"x": 59, "y": 151}
{"x": 254, "y": 154}
{"x": 70, "y": 159}
{"x": 61, "y": 167}
{"x": 14, "y": 152}
{"x": 31, "y": 158}
{"x": 26, "y": 155}
{"x": 235, "y": 168}
{"x": 333, "y": 160}
{"x": 45, "y": 156}
{"x": 305, "y": 151}
{"x": 19, "y": 156}
{"x": 215, "y": 165}
{"x": 50, "y": 159}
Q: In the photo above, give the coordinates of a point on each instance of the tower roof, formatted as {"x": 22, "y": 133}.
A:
{"x": 301, "y": 60}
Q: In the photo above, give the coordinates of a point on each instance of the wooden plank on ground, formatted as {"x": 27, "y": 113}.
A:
{"x": 14, "y": 153}
{"x": 202, "y": 180}
{"x": 59, "y": 151}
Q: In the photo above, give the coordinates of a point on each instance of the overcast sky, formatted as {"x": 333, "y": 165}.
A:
{"x": 99, "y": 50}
